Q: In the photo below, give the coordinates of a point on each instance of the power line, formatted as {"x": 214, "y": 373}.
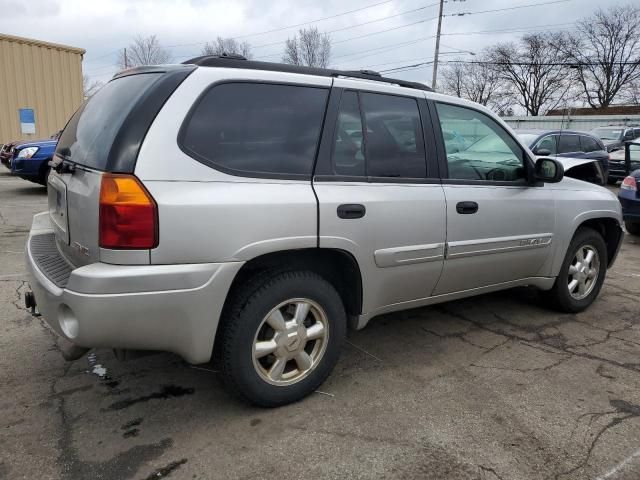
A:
{"x": 461, "y": 14}
{"x": 356, "y": 37}
{"x": 365, "y": 23}
{"x": 384, "y": 18}
{"x": 386, "y": 48}
{"x": 488, "y": 62}
{"x": 312, "y": 21}
{"x": 279, "y": 29}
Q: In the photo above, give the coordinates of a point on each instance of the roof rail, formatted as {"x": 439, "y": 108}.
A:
{"x": 238, "y": 61}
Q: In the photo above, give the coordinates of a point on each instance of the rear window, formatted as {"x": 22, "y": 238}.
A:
{"x": 89, "y": 135}
{"x": 589, "y": 144}
{"x": 256, "y": 129}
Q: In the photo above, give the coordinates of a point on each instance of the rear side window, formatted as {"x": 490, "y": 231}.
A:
{"x": 348, "y": 149}
{"x": 262, "y": 129}
{"x": 589, "y": 144}
{"x": 89, "y": 135}
{"x": 394, "y": 142}
{"x": 379, "y": 135}
{"x": 568, "y": 144}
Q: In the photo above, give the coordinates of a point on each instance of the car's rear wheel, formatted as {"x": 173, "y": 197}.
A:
{"x": 582, "y": 273}
{"x": 632, "y": 227}
{"x": 282, "y": 337}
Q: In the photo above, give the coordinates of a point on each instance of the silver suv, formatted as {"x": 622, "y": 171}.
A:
{"x": 250, "y": 211}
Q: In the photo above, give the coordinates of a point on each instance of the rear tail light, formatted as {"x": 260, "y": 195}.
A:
{"x": 128, "y": 214}
{"x": 629, "y": 183}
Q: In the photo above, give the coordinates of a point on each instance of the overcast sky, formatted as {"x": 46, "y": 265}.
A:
{"x": 103, "y": 27}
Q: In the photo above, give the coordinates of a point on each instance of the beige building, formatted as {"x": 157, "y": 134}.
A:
{"x": 40, "y": 87}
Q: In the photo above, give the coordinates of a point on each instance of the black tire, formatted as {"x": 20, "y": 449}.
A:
{"x": 245, "y": 316}
{"x": 632, "y": 227}
{"x": 44, "y": 175}
{"x": 559, "y": 296}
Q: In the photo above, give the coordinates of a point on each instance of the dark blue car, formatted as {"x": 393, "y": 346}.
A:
{"x": 30, "y": 160}
{"x": 629, "y": 196}
{"x": 566, "y": 143}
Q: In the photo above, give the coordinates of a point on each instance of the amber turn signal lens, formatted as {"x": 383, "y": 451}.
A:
{"x": 128, "y": 214}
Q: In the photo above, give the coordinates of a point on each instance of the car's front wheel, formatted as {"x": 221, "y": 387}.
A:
{"x": 582, "y": 273}
{"x": 632, "y": 227}
{"x": 282, "y": 337}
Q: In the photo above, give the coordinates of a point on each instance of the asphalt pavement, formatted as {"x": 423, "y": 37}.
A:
{"x": 492, "y": 387}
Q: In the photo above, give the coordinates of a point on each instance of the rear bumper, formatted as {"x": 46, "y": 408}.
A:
{"x": 172, "y": 308}
{"x": 630, "y": 203}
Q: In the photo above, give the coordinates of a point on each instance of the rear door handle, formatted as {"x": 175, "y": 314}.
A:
{"x": 351, "y": 210}
{"x": 466, "y": 208}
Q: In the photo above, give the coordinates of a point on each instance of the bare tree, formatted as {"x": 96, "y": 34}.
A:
{"x": 90, "y": 87}
{"x": 605, "y": 51}
{"x": 479, "y": 82}
{"x": 309, "y": 47}
{"x": 631, "y": 93}
{"x": 536, "y": 70}
{"x": 143, "y": 51}
{"x": 227, "y": 45}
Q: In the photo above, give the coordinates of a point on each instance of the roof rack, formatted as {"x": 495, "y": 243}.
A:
{"x": 238, "y": 61}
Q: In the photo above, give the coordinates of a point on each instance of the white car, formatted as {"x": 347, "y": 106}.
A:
{"x": 256, "y": 209}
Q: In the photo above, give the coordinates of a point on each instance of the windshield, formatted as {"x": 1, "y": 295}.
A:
{"x": 608, "y": 133}
{"x": 88, "y": 136}
{"x": 528, "y": 138}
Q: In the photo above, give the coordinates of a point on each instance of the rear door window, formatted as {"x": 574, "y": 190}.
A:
{"x": 379, "y": 135}
{"x": 569, "y": 144}
{"x": 348, "y": 148}
{"x": 89, "y": 135}
{"x": 394, "y": 142}
{"x": 256, "y": 129}
{"x": 589, "y": 144}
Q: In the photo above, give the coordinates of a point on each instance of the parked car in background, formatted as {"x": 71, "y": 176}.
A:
{"x": 614, "y": 137}
{"x": 6, "y": 152}
{"x": 617, "y": 166}
{"x": 629, "y": 197}
{"x": 570, "y": 144}
{"x": 30, "y": 160}
{"x": 255, "y": 209}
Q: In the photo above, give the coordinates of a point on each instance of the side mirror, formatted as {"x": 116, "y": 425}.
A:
{"x": 549, "y": 170}
{"x": 543, "y": 152}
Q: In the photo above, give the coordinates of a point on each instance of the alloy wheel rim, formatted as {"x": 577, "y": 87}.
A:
{"x": 584, "y": 270}
{"x": 290, "y": 341}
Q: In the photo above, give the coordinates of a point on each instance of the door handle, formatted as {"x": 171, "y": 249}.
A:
{"x": 351, "y": 210}
{"x": 466, "y": 208}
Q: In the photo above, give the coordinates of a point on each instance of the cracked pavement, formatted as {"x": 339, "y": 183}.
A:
{"x": 492, "y": 387}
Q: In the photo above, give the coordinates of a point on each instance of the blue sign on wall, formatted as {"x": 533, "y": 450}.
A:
{"x": 27, "y": 120}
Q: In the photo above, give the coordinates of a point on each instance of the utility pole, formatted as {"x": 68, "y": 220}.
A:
{"x": 435, "y": 55}
{"x": 126, "y": 63}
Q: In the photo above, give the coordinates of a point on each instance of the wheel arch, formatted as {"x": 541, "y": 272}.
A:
{"x": 338, "y": 267}
{"x": 611, "y": 232}
{"x": 609, "y": 227}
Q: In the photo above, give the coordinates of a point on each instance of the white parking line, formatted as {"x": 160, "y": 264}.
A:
{"x": 620, "y": 466}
